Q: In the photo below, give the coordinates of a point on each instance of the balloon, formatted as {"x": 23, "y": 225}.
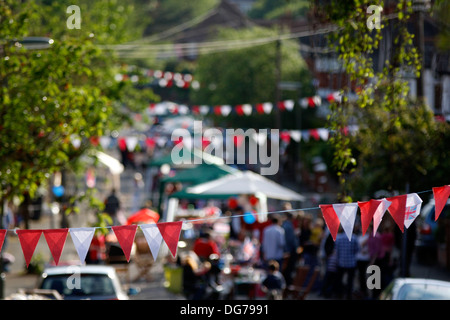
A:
{"x": 232, "y": 203}
{"x": 249, "y": 218}
{"x": 253, "y": 200}
{"x": 58, "y": 191}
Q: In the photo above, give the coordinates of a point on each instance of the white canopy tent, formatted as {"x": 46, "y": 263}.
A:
{"x": 239, "y": 183}
{"x": 246, "y": 182}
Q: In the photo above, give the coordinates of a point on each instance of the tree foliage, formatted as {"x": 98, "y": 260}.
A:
{"x": 51, "y": 97}
{"x": 398, "y": 137}
{"x": 248, "y": 75}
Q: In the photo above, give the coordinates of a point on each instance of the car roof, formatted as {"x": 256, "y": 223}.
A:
{"x": 422, "y": 281}
{"x": 85, "y": 269}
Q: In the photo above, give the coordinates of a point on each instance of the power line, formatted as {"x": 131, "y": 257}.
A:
{"x": 169, "y": 50}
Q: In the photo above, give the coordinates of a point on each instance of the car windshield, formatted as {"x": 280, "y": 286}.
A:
{"x": 88, "y": 285}
{"x": 422, "y": 291}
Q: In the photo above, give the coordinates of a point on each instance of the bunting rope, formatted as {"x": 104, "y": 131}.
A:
{"x": 404, "y": 209}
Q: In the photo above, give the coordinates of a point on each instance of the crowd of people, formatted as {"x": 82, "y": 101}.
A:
{"x": 288, "y": 240}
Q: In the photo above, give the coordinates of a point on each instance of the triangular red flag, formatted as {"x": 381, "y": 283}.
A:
{"x": 368, "y": 209}
{"x": 397, "y": 209}
{"x": 195, "y": 109}
{"x": 314, "y": 133}
{"x": 125, "y": 236}
{"x": 239, "y": 110}
{"x": 331, "y": 219}
{"x": 56, "y": 238}
{"x": 441, "y": 195}
{"x": 259, "y": 108}
{"x": 170, "y": 231}
{"x": 2, "y": 238}
{"x": 28, "y": 241}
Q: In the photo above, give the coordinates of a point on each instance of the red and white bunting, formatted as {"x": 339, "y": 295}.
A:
{"x": 331, "y": 219}
{"x": 153, "y": 237}
{"x": 397, "y": 210}
{"x": 170, "y": 232}
{"x": 125, "y": 237}
{"x": 82, "y": 238}
{"x": 404, "y": 209}
{"x": 2, "y": 238}
{"x": 56, "y": 238}
{"x": 441, "y": 195}
{"x": 28, "y": 241}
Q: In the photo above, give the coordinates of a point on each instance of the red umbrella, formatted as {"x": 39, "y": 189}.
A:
{"x": 143, "y": 216}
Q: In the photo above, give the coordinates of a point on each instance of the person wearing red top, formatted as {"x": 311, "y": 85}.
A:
{"x": 204, "y": 246}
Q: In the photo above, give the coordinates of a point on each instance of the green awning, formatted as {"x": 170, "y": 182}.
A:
{"x": 201, "y": 173}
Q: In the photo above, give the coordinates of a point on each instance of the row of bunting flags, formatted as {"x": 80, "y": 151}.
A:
{"x": 245, "y": 109}
{"x": 404, "y": 209}
{"x": 168, "y": 79}
{"x": 131, "y": 142}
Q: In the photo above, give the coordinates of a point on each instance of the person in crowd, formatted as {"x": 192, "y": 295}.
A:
{"x": 388, "y": 246}
{"x": 274, "y": 283}
{"x": 204, "y": 246}
{"x": 316, "y": 232}
{"x": 273, "y": 241}
{"x": 112, "y": 206}
{"x": 376, "y": 253}
{"x": 309, "y": 241}
{"x": 346, "y": 262}
{"x": 97, "y": 250}
{"x": 291, "y": 241}
{"x": 194, "y": 276}
{"x": 330, "y": 262}
{"x": 362, "y": 258}
{"x": 236, "y": 223}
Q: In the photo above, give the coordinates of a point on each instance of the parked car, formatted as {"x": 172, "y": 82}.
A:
{"x": 426, "y": 242}
{"x": 83, "y": 282}
{"x": 416, "y": 289}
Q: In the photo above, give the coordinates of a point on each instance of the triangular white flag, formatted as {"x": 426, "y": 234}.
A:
{"x": 379, "y": 213}
{"x": 289, "y": 104}
{"x": 183, "y": 109}
{"x": 105, "y": 141}
{"x": 131, "y": 143}
{"x": 304, "y": 103}
{"x": 296, "y": 135}
{"x": 204, "y": 109}
{"x": 323, "y": 133}
{"x": 153, "y": 237}
{"x": 346, "y": 213}
{"x": 247, "y": 109}
{"x": 82, "y": 238}
{"x": 413, "y": 206}
{"x": 267, "y": 107}
{"x": 225, "y": 110}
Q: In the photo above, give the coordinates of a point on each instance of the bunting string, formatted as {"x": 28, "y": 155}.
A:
{"x": 404, "y": 209}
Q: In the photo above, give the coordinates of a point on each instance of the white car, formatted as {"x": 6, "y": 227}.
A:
{"x": 90, "y": 282}
{"x": 416, "y": 289}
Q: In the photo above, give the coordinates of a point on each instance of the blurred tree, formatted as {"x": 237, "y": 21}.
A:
{"x": 275, "y": 9}
{"x": 170, "y": 13}
{"x": 247, "y": 75}
{"x": 399, "y": 139}
{"x": 54, "y": 96}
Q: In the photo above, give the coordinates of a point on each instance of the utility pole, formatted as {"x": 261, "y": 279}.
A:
{"x": 277, "y": 83}
{"x": 419, "y": 7}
